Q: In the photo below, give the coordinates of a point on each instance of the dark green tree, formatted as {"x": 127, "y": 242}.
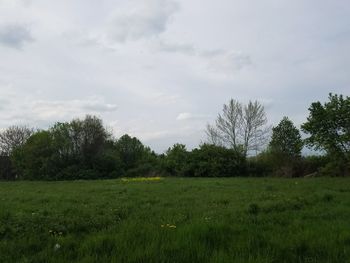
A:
{"x": 175, "y": 159}
{"x": 34, "y": 160}
{"x": 215, "y": 161}
{"x": 131, "y": 151}
{"x": 286, "y": 140}
{"x": 329, "y": 126}
{"x": 79, "y": 149}
{"x": 284, "y": 151}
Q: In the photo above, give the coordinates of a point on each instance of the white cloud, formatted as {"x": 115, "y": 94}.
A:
{"x": 159, "y": 62}
{"x": 186, "y": 49}
{"x": 219, "y": 61}
{"x": 46, "y": 112}
{"x": 51, "y": 110}
{"x": 226, "y": 62}
{"x": 184, "y": 116}
{"x": 147, "y": 19}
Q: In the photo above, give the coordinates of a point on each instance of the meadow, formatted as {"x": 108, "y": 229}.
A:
{"x": 176, "y": 220}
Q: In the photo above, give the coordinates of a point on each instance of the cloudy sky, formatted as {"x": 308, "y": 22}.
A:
{"x": 161, "y": 69}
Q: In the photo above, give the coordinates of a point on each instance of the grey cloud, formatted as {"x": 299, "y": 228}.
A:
{"x": 182, "y": 63}
{"x": 176, "y": 48}
{"x": 14, "y": 35}
{"x": 148, "y": 20}
{"x": 226, "y": 61}
{"x": 217, "y": 60}
{"x": 70, "y": 108}
{"x": 3, "y": 104}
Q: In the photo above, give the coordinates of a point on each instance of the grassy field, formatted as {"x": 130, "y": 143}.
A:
{"x": 176, "y": 220}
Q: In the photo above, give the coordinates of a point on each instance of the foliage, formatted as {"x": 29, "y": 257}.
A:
{"x": 286, "y": 140}
{"x": 175, "y": 160}
{"x": 285, "y": 149}
{"x": 329, "y": 127}
{"x": 215, "y": 161}
{"x": 260, "y": 165}
{"x": 84, "y": 149}
{"x": 131, "y": 151}
{"x": 11, "y": 139}
{"x": 79, "y": 149}
{"x": 6, "y": 169}
{"x": 313, "y": 165}
{"x": 36, "y": 158}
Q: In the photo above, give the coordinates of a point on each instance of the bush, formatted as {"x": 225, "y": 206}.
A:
{"x": 312, "y": 165}
{"x": 175, "y": 161}
{"x": 215, "y": 161}
{"x": 260, "y": 165}
{"x": 335, "y": 168}
{"x": 6, "y": 169}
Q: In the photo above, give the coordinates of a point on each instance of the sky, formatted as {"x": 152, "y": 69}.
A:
{"x": 161, "y": 70}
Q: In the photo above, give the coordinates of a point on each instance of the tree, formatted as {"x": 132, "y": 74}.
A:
{"x": 33, "y": 160}
{"x": 176, "y": 159}
{"x": 131, "y": 151}
{"x": 240, "y": 127}
{"x": 80, "y": 140}
{"x": 215, "y": 161}
{"x": 286, "y": 140}
{"x": 329, "y": 126}
{"x": 284, "y": 151}
{"x": 79, "y": 149}
{"x": 13, "y": 137}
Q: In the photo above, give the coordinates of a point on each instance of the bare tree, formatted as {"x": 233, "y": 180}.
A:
{"x": 241, "y": 127}
{"x": 13, "y": 137}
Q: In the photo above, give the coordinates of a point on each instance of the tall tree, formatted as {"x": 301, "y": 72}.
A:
{"x": 286, "y": 142}
{"x": 329, "y": 126}
{"x": 131, "y": 151}
{"x": 13, "y": 137}
{"x": 240, "y": 127}
{"x": 176, "y": 159}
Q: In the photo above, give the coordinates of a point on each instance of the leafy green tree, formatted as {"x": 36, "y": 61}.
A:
{"x": 284, "y": 149}
{"x": 215, "y": 161}
{"x": 286, "y": 140}
{"x": 34, "y": 159}
{"x": 131, "y": 151}
{"x": 80, "y": 140}
{"x": 79, "y": 149}
{"x": 175, "y": 159}
{"x": 329, "y": 126}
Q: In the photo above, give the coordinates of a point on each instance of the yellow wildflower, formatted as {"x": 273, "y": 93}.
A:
{"x": 142, "y": 179}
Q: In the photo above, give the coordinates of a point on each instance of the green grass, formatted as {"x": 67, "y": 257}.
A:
{"x": 217, "y": 220}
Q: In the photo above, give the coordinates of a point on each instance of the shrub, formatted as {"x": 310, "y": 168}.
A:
{"x": 215, "y": 161}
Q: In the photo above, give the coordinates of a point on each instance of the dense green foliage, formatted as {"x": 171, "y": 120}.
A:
{"x": 329, "y": 129}
{"x": 176, "y": 160}
{"x": 80, "y": 149}
{"x": 286, "y": 140}
{"x": 84, "y": 149}
{"x": 285, "y": 149}
{"x": 215, "y": 161}
{"x": 176, "y": 220}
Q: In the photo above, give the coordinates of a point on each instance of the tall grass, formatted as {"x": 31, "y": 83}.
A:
{"x": 176, "y": 220}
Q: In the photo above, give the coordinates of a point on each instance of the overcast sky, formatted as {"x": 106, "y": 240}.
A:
{"x": 161, "y": 69}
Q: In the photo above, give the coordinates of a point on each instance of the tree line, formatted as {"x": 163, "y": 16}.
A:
{"x": 239, "y": 143}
